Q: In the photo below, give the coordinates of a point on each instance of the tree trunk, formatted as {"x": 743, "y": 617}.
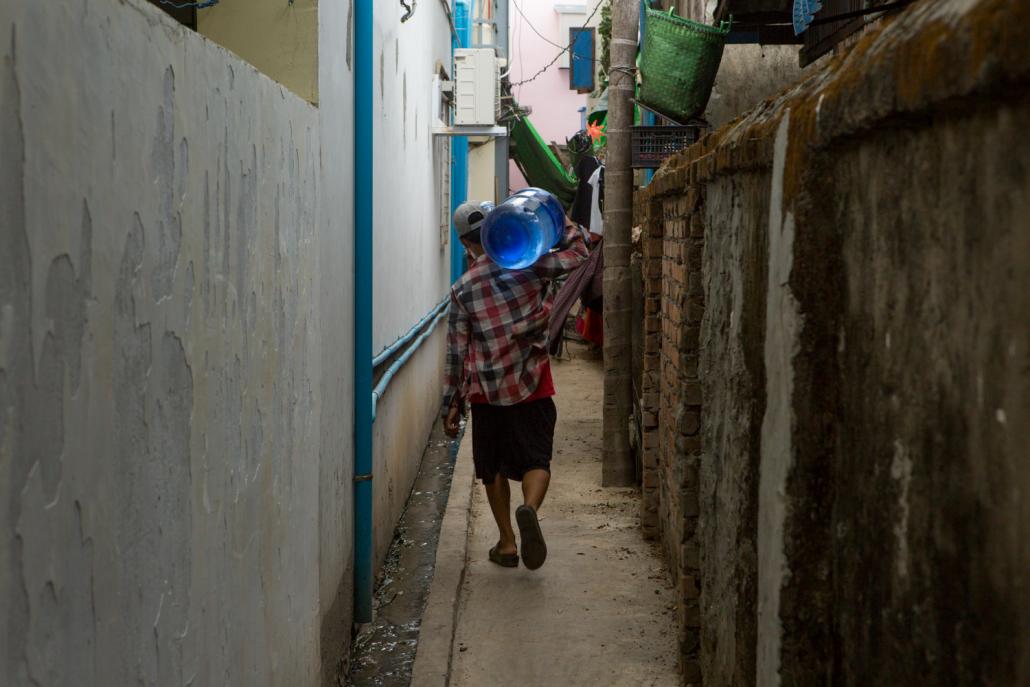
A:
{"x": 618, "y": 464}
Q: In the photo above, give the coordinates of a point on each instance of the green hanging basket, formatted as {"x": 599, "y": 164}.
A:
{"x": 678, "y": 64}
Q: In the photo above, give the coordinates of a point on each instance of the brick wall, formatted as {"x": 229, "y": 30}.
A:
{"x": 674, "y": 304}
{"x": 649, "y": 218}
{"x": 837, "y": 390}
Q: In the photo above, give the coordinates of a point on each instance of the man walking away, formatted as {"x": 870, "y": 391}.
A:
{"x": 497, "y": 361}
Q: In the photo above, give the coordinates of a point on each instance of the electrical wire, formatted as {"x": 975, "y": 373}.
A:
{"x": 513, "y": 40}
{"x": 558, "y": 56}
{"x": 522, "y": 54}
{"x": 859, "y": 13}
{"x": 204, "y": 4}
{"x": 533, "y": 28}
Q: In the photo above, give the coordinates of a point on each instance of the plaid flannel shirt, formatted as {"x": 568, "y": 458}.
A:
{"x": 497, "y": 328}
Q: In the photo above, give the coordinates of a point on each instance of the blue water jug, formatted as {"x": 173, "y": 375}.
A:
{"x": 522, "y": 228}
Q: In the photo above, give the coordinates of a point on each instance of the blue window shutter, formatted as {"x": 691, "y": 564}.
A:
{"x": 581, "y": 60}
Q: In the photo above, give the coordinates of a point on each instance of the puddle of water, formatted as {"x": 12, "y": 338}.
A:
{"x": 383, "y": 653}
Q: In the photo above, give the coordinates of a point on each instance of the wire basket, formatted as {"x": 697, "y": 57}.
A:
{"x": 651, "y": 145}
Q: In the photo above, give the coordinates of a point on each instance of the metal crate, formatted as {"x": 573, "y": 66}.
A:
{"x": 653, "y": 144}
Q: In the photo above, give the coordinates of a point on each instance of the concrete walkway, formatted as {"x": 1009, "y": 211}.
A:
{"x": 597, "y": 613}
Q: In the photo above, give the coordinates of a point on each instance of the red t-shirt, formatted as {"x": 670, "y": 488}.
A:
{"x": 545, "y": 389}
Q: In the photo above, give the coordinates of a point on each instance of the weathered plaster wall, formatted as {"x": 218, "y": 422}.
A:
{"x": 748, "y": 74}
{"x": 732, "y": 360}
{"x": 865, "y": 352}
{"x": 172, "y": 432}
{"x": 336, "y": 315}
{"x": 933, "y": 446}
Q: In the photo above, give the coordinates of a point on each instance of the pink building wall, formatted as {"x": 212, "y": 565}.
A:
{"x": 555, "y": 108}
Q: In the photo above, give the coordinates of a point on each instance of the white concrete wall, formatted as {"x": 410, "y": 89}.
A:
{"x": 405, "y": 419}
{"x": 412, "y": 272}
{"x": 175, "y": 312}
{"x": 412, "y": 265}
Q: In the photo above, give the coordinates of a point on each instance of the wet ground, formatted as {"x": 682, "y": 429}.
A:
{"x": 384, "y": 650}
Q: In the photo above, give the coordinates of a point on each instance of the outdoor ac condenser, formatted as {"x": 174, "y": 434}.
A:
{"x": 476, "y": 87}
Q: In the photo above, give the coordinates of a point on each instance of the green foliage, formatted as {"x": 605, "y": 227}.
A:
{"x": 605, "y": 31}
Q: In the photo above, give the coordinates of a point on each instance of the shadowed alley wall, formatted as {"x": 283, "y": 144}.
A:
{"x": 864, "y": 365}
{"x": 174, "y": 361}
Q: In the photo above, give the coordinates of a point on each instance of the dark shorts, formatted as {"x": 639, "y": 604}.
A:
{"x": 512, "y": 440}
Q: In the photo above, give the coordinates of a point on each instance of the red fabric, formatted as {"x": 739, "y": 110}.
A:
{"x": 590, "y": 326}
{"x": 544, "y": 390}
{"x": 497, "y": 333}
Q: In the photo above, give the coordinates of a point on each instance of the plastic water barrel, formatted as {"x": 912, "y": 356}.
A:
{"x": 524, "y": 227}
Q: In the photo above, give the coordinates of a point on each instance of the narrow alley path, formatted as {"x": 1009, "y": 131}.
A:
{"x": 597, "y": 613}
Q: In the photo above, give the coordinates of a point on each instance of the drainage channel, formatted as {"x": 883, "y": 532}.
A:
{"x": 383, "y": 653}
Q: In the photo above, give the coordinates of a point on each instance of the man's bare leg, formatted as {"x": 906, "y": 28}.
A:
{"x": 534, "y": 487}
{"x": 499, "y": 495}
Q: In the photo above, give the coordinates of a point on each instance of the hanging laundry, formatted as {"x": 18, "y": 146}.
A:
{"x": 596, "y": 225}
{"x": 582, "y": 204}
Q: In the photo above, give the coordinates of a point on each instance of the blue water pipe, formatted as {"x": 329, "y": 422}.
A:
{"x": 387, "y": 377}
{"x": 363, "y": 231}
{"x": 459, "y": 147}
{"x": 397, "y": 345}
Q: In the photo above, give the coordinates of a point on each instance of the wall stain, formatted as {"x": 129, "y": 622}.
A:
{"x": 226, "y": 197}
{"x": 16, "y": 363}
{"x": 182, "y": 171}
{"x": 189, "y": 285}
{"x": 167, "y": 495}
{"x": 350, "y": 34}
{"x": 246, "y": 220}
{"x": 131, "y": 367}
{"x": 169, "y": 223}
{"x": 205, "y": 282}
{"x": 65, "y": 302}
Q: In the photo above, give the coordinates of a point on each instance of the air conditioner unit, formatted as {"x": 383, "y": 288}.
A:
{"x": 477, "y": 87}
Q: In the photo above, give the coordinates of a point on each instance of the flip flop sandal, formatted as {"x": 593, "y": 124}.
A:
{"x": 534, "y": 549}
{"x": 505, "y": 560}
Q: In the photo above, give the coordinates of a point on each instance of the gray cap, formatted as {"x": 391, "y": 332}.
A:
{"x": 468, "y": 217}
